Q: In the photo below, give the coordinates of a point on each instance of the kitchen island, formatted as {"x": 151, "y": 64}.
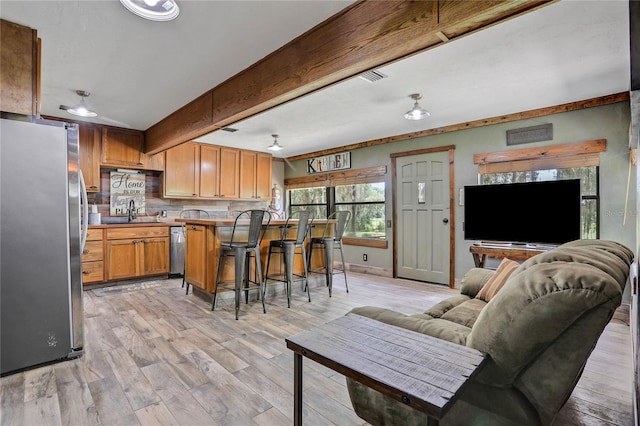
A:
{"x": 202, "y": 249}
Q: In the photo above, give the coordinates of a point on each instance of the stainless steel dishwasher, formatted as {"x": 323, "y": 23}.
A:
{"x": 177, "y": 251}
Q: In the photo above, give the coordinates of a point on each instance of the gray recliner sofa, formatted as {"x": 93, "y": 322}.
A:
{"x": 538, "y": 330}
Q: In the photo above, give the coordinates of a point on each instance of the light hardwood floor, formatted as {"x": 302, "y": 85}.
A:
{"x": 157, "y": 357}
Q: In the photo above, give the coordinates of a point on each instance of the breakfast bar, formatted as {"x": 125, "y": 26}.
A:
{"x": 202, "y": 249}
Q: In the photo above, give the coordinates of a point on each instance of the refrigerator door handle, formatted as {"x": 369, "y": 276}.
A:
{"x": 85, "y": 211}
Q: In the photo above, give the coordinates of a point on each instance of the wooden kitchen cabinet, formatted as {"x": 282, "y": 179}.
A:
{"x": 228, "y": 174}
{"x": 182, "y": 171}
{"x": 137, "y": 251}
{"x": 255, "y": 175}
{"x": 123, "y": 148}
{"x": 89, "y": 142}
{"x": 194, "y": 170}
{"x": 19, "y": 69}
{"x": 196, "y": 255}
{"x": 93, "y": 257}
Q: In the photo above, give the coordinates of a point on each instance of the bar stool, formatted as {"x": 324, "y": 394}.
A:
{"x": 189, "y": 214}
{"x": 286, "y": 248}
{"x": 243, "y": 251}
{"x": 331, "y": 243}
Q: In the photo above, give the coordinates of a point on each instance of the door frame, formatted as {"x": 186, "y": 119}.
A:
{"x": 452, "y": 221}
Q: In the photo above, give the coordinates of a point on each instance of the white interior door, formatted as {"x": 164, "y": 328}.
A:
{"x": 422, "y": 204}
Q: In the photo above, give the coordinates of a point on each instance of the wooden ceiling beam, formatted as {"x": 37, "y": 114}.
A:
{"x": 365, "y": 35}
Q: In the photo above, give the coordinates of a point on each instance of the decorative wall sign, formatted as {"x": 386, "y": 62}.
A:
{"x": 125, "y": 187}
{"x": 539, "y": 133}
{"x": 327, "y": 163}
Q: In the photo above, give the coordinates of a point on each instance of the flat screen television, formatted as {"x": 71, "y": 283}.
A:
{"x": 523, "y": 213}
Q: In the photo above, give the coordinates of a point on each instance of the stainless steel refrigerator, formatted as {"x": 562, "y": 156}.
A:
{"x": 41, "y": 317}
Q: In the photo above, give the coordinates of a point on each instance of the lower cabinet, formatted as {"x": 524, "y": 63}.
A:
{"x": 93, "y": 257}
{"x": 137, "y": 252}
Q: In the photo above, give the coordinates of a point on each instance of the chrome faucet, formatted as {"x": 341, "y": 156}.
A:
{"x": 132, "y": 210}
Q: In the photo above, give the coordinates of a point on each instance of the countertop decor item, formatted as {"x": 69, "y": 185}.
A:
{"x": 95, "y": 218}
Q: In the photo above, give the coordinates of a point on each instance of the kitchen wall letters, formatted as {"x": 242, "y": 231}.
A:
{"x": 127, "y": 186}
{"x": 328, "y": 163}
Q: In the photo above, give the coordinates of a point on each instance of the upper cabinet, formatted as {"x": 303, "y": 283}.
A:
{"x": 19, "y": 69}
{"x": 194, "y": 170}
{"x": 182, "y": 171}
{"x": 89, "y": 142}
{"x": 123, "y": 148}
{"x": 255, "y": 175}
{"x": 218, "y": 172}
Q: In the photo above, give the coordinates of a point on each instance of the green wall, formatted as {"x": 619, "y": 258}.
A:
{"x": 610, "y": 122}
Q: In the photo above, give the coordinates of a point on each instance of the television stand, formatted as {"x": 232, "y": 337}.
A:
{"x": 481, "y": 251}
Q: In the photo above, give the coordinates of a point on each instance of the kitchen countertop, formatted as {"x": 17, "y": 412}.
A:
{"x": 133, "y": 224}
{"x": 230, "y": 222}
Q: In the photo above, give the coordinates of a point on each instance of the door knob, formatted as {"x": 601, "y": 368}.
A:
{"x": 445, "y": 220}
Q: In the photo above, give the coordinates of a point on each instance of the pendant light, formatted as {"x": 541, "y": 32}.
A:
{"x": 416, "y": 113}
{"x": 154, "y": 10}
{"x": 81, "y": 109}
{"x": 275, "y": 146}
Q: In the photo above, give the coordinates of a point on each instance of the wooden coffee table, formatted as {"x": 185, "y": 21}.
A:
{"x": 420, "y": 371}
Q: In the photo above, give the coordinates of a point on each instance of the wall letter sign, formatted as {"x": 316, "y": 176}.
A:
{"x": 328, "y": 163}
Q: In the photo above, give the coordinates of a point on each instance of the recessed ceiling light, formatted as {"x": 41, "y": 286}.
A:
{"x": 155, "y": 10}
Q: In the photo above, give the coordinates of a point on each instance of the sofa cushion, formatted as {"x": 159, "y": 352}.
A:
{"x": 440, "y": 308}
{"x": 435, "y": 327}
{"x": 497, "y": 280}
{"x": 474, "y": 280}
{"x": 465, "y": 313}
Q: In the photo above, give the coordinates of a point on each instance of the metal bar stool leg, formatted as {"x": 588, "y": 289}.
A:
{"x": 215, "y": 291}
{"x": 247, "y": 262}
{"x": 344, "y": 272}
{"x": 328, "y": 259}
{"x": 184, "y": 280}
{"x": 289, "y": 249}
{"x": 262, "y": 288}
{"x": 240, "y": 258}
{"x": 306, "y": 273}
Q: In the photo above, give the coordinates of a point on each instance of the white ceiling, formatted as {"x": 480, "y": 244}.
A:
{"x": 140, "y": 71}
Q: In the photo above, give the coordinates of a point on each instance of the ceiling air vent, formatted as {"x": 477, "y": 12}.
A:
{"x": 229, "y": 129}
{"x": 372, "y": 76}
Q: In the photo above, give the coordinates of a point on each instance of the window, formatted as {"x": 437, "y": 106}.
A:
{"x": 552, "y": 163}
{"x": 361, "y": 191}
{"x": 314, "y": 199}
{"x": 367, "y": 205}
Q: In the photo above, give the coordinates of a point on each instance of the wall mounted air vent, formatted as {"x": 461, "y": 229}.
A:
{"x": 372, "y": 76}
{"x": 542, "y": 132}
